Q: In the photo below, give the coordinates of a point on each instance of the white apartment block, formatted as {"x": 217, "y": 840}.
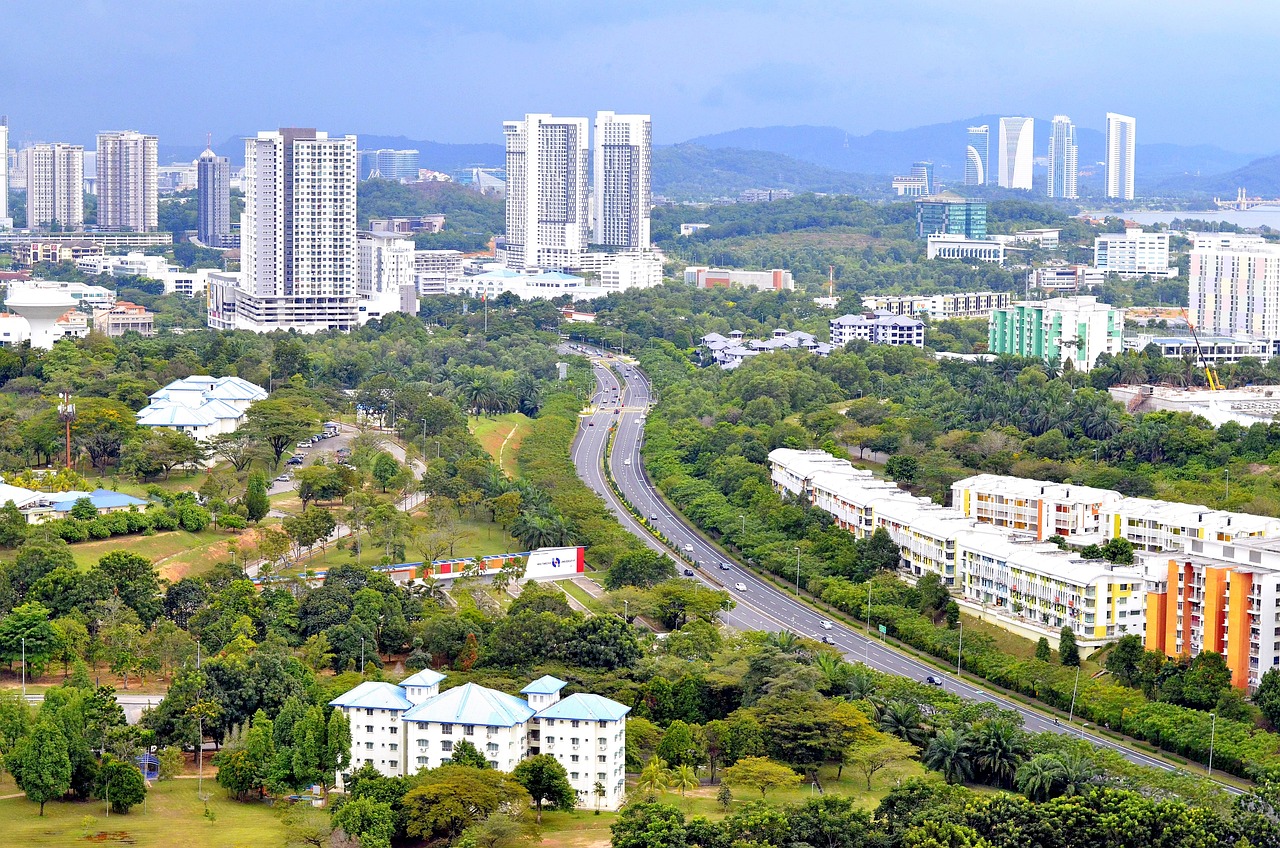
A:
{"x": 622, "y": 195}
{"x": 1121, "y": 145}
{"x": 1068, "y": 278}
{"x": 401, "y": 729}
{"x": 134, "y": 264}
{"x": 298, "y": 254}
{"x": 877, "y": 328}
{"x": 5, "y": 221}
{"x": 1133, "y": 254}
{"x": 386, "y": 275}
{"x": 1234, "y": 287}
{"x": 55, "y": 186}
{"x": 939, "y": 307}
{"x": 433, "y": 270}
{"x": 1028, "y": 587}
{"x": 1154, "y": 525}
{"x": 953, "y": 246}
{"x": 128, "y": 195}
{"x": 547, "y": 201}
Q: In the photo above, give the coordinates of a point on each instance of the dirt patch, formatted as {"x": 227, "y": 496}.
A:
{"x": 119, "y": 836}
{"x": 1258, "y": 468}
{"x": 177, "y": 566}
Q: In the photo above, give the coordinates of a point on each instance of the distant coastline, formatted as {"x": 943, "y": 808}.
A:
{"x": 1259, "y": 216}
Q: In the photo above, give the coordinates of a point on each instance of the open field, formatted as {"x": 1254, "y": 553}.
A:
{"x": 174, "y": 816}
{"x": 154, "y": 548}
{"x": 500, "y": 436}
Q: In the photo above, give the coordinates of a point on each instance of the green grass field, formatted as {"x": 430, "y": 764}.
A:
{"x": 174, "y": 816}
{"x": 501, "y": 436}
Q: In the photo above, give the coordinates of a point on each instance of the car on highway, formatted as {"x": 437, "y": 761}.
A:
{"x": 688, "y": 549}
{"x": 626, "y": 462}
{"x": 688, "y": 572}
{"x": 724, "y": 566}
{"x": 825, "y": 625}
{"x": 741, "y": 587}
{"x": 653, "y": 518}
{"x": 591, "y": 423}
{"x": 827, "y": 640}
{"x": 933, "y": 681}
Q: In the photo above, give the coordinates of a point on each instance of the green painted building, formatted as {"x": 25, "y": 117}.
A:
{"x": 952, "y": 214}
{"x": 1058, "y": 330}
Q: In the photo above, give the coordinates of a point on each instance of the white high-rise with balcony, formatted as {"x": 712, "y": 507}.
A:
{"x": 5, "y": 222}
{"x": 1121, "y": 134}
{"x": 55, "y": 186}
{"x": 1062, "y": 158}
{"x": 298, "y": 254}
{"x": 128, "y": 197}
{"x": 1017, "y": 144}
{"x": 621, "y": 183}
{"x": 547, "y": 199}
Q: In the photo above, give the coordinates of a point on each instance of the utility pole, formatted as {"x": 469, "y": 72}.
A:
{"x": 1213, "y": 732}
{"x": 67, "y": 414}
{"x": 1072, "y": 714}
{"x": 200, "y": 725}
{"x": 960, "y": 648}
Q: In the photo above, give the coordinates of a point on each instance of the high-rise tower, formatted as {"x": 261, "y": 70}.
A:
{"x": 128, "y": 195}
{"x": 1121, "y": 132}
{"x": 547, "y": 206}
{"x": 976, "y": 172}
{"x": 1062, "y": 158}
{"x": 213, "y": 181}
{"x": 55, "y": 186}
{"x": 1017, "y": 152}
{"x": 621, "y": 180}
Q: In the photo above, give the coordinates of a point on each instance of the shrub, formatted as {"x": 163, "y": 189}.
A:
{"x": 191, "y": 517}
{"x": 98, "y": 529}
{"x": 162, "y": 519}
{"x": 231, "y": 521}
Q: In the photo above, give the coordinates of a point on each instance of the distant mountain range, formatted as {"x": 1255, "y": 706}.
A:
{"x": 432, "y": 154}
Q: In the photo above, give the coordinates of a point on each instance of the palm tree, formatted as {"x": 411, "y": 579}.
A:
{"x": 684, "y": 778}
{"x": 1000, "y": 748}
{"x": 784, "y": 640}
{"x": 1077, "y": 773}
{"x": 861, "y": 683}
{"x": 655, "y": 777}
{"x": 903, "y": 720}
{"x": 835, "y": 672}
{"x": 948, "y": 753}
{"x": 1040, "y": 778}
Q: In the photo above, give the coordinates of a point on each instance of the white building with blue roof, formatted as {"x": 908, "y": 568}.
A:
{"x": 401, "y": 729}
{"x": 201, "y": 405}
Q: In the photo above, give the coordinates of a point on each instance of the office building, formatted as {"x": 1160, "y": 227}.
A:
{"x": 939, "y": 307}
{"x": 1016, "y": 147}
{"x": 1065, "y": 278}
{"x": 709, "y": 278}
{"x": 128, "y": 193}
{"x": 386, "y": 277}
{"x": 1121, "y": 145}
{"x": 55, "y": 185}
{"x": 547, "y": 199}
{"x": 433, "y": 270}
{"x": 26, "y": 254}
{"x": 878, "y": 327}
{"x": 298, "y": 256}
{"x": 1062, "y": 158}
{"x": 976, "y": 156}
{"x": 124, "y": 317}
{"x": 947, "y": 246}
{"x": 1133, "y": 254}
{"x": 400, "y": 729}
{"x": 1234, "y": 288}
{"x": 919, "y": 183}
{"x": 621, "y": 180}
{"x": 407, "y": 224}
{"x": 388, "y": 164}
{"x": 1061, "y": 330}
{"x": 951, "y": 214}
{"x": 213, "y": 183}
{"x": 5, "y": 221}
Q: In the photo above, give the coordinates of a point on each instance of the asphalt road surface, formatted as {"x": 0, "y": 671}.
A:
{"x": 623, "y": 397}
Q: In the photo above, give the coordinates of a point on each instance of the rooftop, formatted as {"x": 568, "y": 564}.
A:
{"x": 544, "y": 685}
{"x": 472, "y": 704}
{"x": 373, "y": 695}
{"x": 582, "y": 706}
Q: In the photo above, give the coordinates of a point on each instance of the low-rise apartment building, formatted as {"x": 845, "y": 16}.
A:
{"x": 1133, "y": 254}
{"x": 939, "y": 307}
{"x": 125, "y": 317}
{"x": 878, "y": 327}
{"x": 1037, "y": 508}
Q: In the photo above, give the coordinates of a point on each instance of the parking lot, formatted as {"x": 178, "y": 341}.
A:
{"x": 327, "y": 448}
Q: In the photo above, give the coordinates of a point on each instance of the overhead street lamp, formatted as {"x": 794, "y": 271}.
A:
{"x": 797, "y": 572}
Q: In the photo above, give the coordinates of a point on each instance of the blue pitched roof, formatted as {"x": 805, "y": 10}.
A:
{"x": 426, "y": 677}
{"x": 373, "y": 695}
{"x": 585, "y": 707}
{"x": 472, "y": 704}
{"x": 544, "y": 685}
{"x": 100, "y": 498}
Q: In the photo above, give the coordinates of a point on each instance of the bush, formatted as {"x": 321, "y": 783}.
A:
{"x": 231, "y": 521}
{"x": 192, "y": 518}
{"x": 118, "y": 522}
{"x": 162, "y": 519}
{"x": 139, "y": 522}
{"x": 98, "y": 529}
{"x": 69, "y": 529}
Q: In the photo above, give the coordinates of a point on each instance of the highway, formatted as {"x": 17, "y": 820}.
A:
{"x": 623, "y": 397}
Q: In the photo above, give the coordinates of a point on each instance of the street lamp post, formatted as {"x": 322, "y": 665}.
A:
{"x": 797, "y": 572}
{"x": 424, "y": 437}
{"x": 24, "y": 668}
{"x": 626, "y": 610}
{"x": 868, "y": 623}
{"x": 743, "y": 518}
{"x": 1213, "y": 731}
{"x": 1072, "y": 713}
{"x": 960, "y": 648}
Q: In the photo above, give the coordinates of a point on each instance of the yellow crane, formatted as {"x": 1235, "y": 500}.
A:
{"x": 1212, "y": 376}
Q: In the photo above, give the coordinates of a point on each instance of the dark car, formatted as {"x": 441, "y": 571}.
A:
{"x": 827, "y": 640}
{"x": 933, "y": 681}
{"x": 724, "y": 566}
{"x": 688, "y": 572}
{"x": 294, "y": 460}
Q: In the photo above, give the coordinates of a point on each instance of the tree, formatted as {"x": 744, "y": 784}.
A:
{"x": 760, "y": 773}
{"x": 132, "y": 578}
{"x": 372, "y": 822}
{"x": 13, "y": 526}
{"x": 724, "y": 797}
{"x": 642, "y": 568}
{"x": 121, "y": 784}
{"x": 546, "y": 780}
{"x": 684, "y": 778}
{"x": 950, "y": 753}
{"x": 171, "y": 762}
{"x": 1040, "y": 778}
{"x": 236, "y": 448}
{"x": 466, "y": 754}
{"x": 678, "y": 746}
{"x": 40, "y": 763}
{"x": 649, "y": 826}
{"x": 655, "y": 777}
{"x": 279, "y": 423}
{"x": 1068, "y": 653}
{"x": 1267, "y": 696}
{"x": 385, "y": 469}
{"x": 29, "y": 622}
{"x": 451, "y": 798}
{"x": 1043, "y": 652}
{"x": 255, "y": 497}
{"x": 880, "y": 753}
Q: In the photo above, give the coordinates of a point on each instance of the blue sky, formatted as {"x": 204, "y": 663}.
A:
{"x": 452, "y": 70}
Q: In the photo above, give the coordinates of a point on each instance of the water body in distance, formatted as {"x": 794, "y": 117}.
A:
{"x": 1259, "y": 216}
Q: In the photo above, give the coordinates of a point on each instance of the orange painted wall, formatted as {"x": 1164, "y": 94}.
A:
{"x": 1187, "y": 573}
{"x": 1157, "y": 611}
{"x": 1215, "y": 598}
{"x": 1238, "y": 629}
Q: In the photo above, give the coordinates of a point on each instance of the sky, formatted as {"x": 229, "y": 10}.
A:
{"x": 453, "y": 70}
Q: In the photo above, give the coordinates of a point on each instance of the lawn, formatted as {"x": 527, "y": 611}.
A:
{"x": 154, "y": 548}
{"x": 174, "y": 816}
{"x": 477, "y": 537}
{"x": 500, "y": 436}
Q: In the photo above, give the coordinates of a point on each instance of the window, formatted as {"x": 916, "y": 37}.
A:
{"x": 368, "y": 728}
{"x": 422, "y": 743}
{"x": 368, "y": 746}
{"x": 422, "y": 761}
{"x": 573, "y": 758}
{"x": 575, "y": 723}
{"x": 446, "y": 729}
{"x": 446, "y": 745}
{"x": 393, "y": 746}
{"x": 574, "y": 740}
{"x": 573, "y": 774}
{"x": 469, "y": 730}
{"x": 368, "y": 711}
{"x": 602, "y": 758}
{"x": 600, "y": 775}
{"x": 551, "y": 740}
{"x": 393, "y": 730}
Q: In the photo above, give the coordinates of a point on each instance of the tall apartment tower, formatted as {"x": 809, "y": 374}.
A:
{"x": 1017, "y": 144}
{"x": 4, "y": 172}
{"x": 213, "y": 184}
{"x": 1062, "y": 158}
{"x": 298, "y": 254}
{"x": 547, "y": 200}
{"x": 128, "y": 197}
{"x": 1121, "y": 132}
{"x": 55, "y": 186}
{"x": 622, "y": 198}
{"x": 976, "y": 156}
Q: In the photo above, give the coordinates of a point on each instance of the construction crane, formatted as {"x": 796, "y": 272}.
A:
{"x": 1212, "y": 376}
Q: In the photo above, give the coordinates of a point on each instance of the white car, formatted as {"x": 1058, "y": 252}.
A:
{"x": 688, "y": 549}
{"x": 741, "y": 587}
{"x": 826, "y": 625}
{"x": 626, "y": 462}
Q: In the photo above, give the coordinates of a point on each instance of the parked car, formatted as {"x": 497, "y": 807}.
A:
{"x": 283, "y": 478}
{"x": 294, "y": 460}
{"x": 303, "y": 445}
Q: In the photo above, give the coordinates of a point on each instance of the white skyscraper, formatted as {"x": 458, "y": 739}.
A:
{"x": 128, "y": 198}
{"x": 1062, "y": 158}
{"x": 298, "y": 254}
{"x": 547, "y": 210}
{"x": 1121, "y": 133}
{"x": 621, "y": 180}
{"x": 55, "y": 186}
{"x": 1017, "y": 146}
{"x": 976, "y": 155}
{"x": 4, "y": 173}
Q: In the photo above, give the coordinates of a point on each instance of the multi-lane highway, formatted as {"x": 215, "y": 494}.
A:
{"x": 622, "y": 398}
